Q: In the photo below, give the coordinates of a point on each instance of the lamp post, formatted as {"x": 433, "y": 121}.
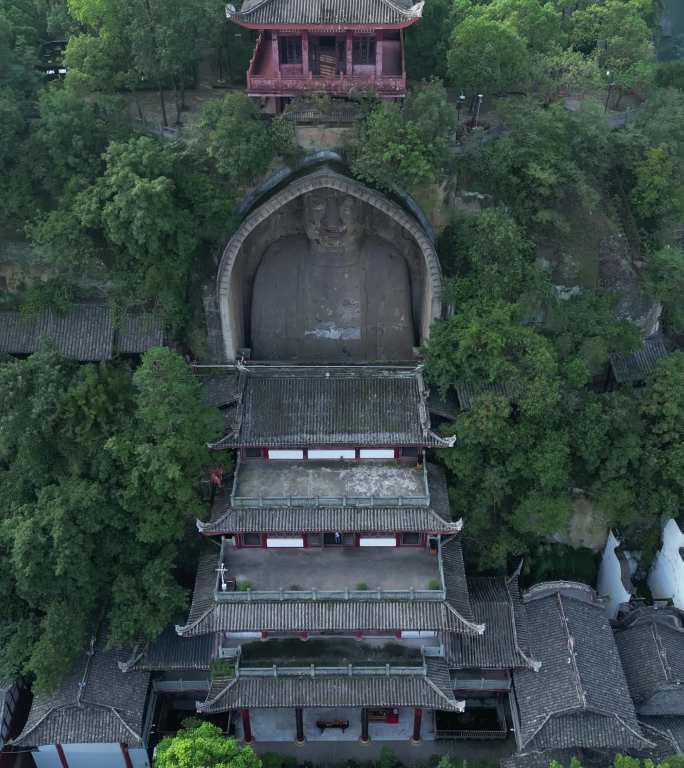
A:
{"x": 480, "y": 97}
{"x": 611, "y": 85}
{"x": 459, "y": 106}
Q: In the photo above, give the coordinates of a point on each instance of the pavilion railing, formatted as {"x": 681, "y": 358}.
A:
{"x": 225, "y": 591}
{"x": 349, "y": 670}
{"x": 471, "y": 734}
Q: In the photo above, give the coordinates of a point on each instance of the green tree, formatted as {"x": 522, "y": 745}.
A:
{"x": 487, "y": 56}
{"x": 99, "y": 474}
{"x": 665, "y": 281}
{"x": 407, "y": 150}
{"x": 237, "y": 140}
{"x": 203, "y": 746}
{"x": 427, "y": 42}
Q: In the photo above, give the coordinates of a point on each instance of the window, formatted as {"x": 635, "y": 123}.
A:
{"x": 409, "y": 453}
{"x": 334, "y": 455}
{"x": 285, "y": 542}
{"x": 290, "y": 49}
{"x": 376, "y": 453}
{"x": 366, "y": 540}
{"x": 252, "y": 453}
{"x": 364, "y": 50}
{"x": 251, "y": 539}
{"x": 314, "y": 539}
{"x": 410, "y": 538}
{"x": 291, "y": 455}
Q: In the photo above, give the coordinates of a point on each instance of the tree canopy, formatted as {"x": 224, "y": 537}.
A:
{"x": 99, "y": 474}
{"x": 203, "y": 745}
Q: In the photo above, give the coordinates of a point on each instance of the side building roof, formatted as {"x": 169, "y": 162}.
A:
{"x": 430, "y": 689}
{"x": 308, "y": 406}
{"x": 268, "y": 13}
{"x": 95, "y": 703}
{"x": 496, "y": 602}
{"x": 86, "y": 332}
{"x": 579, "y": 697}
{"x": 630, "y": 367}
{"x": 651, "y": 646}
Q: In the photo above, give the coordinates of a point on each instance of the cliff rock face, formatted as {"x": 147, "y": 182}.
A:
{"x": 616, "y": 273}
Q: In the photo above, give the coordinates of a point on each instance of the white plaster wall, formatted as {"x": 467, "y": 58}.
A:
{"x": 89, "y": 756}
{"x": 609, "y": 578}
{"x": 666, "y": 579}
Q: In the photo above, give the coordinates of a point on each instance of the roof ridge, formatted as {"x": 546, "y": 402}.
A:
{"x": 662, "y": 653}
{"x": 533, "y": 663}
{"x": 201, "y": 705}
{"x": 581, "y": 693}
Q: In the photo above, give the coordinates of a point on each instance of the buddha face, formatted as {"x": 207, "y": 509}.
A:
{"x": 332, "y": 219}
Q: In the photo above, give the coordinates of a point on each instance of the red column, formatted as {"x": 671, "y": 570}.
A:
{"x": 378, "y": 54}
{"x": 305, "y": 53}
{"x": 299, "y": 719}
{"x": 128, "y": 763}
{"x": 417, "y": 720}
{"x": 275, "y": 53}
{"x": 364, "y": 725}
{"x": 246, "y": 725}
{"x": 61, "y": 755}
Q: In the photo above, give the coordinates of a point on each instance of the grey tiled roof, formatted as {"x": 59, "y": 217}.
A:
{"x": 219, "y": 389}
{"x": 636, "y": 366}
{"x": 579, "y": 696}
{"x": 651, "y": 645}
{"x": 282, "y": 406}
{"x": 96, "y": 703}
{"x": 316, "y": 519}
{"x": 327, "y": 12}
{"x": 667, "y": 732}
{"x": 435, "y": 519}
{"x": 431, "y": 691}
{"x": 171, "y": 653}
{"x": 504, "y": 645}
{"x": 468, "y": 392}
{"x": 87, "y": 332}
{"x": 137, "y": 332}
{"x": 453, "y": 614}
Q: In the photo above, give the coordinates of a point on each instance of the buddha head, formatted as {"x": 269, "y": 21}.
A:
{"x": 332, "y": 219}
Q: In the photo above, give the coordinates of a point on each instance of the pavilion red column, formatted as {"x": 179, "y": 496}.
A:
{"x": 61, "y": 755}
{"x": 378, "y": 54}
{"x": 126, "y": 756}
{"x": 417, "y": 721}
{"x": 299, "y": 719}
{"x": 275, "y": 53}
{"x": 305, "y": 53}
{"x": 246, "y": 725}
{"x": 364, "y": 725}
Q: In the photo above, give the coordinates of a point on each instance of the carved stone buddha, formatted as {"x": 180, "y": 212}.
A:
{"x": 340, "y": 293}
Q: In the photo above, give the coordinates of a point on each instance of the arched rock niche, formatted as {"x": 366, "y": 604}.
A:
{"x": 283, "y": 216}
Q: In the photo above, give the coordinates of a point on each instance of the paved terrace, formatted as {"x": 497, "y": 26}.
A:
{"x": 284, "y": 483}
{"x": 401, "y": 568}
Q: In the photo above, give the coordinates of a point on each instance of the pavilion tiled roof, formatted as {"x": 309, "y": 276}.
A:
{"x": 169, "y": 652}
{"x": 629, "y": 367}
{"x": 452, "y": 614}
{"x": 651, "y": 646}
{"x": 86, "y": 332}
{"x": 579, "y": 697}
{"x": 318, "y": 519}
{"x": 468, "y": 392}
{"x": 298, "y": 406}
{"x": 431, "y": 690}
{"x": 434, "y": 519}
{"x": 96, "y": 703}
{"x": 504, "y": 645}
{"x": 260, "y": 13}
